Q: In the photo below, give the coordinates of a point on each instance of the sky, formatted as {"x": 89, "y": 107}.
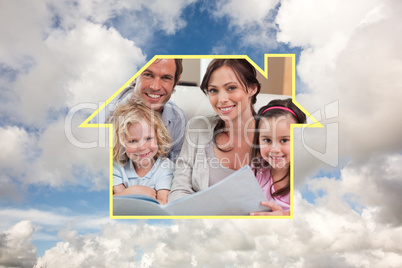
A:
{"x": 57, "y": 57}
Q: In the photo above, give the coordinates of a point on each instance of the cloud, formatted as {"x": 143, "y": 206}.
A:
{"x": 354, "y": 222}
{"x": 17, "y": 149}
{"x": 354, "y": 61}
{"x": 16, "y": 249}
{"x": 168, "y": 14}
{"x": 321, "y": 21}
{"x": 55, "y": 157}
{"x": 350, "y": 55}
{"x": 74, "y": 58}
{"x": 316, "y": 236}
{"x": 86, "y": 64}
{"x": 243, "y": 15}
{"x": 70, "y": 60}
{"x": 15, "y": 51}
{"x": 47, "y": 226}
{"x": 54, "y": 218}
{"x": 13, "y": 144}
{"x": 375, "y": 185}
{"x": 140, "y": 20}
{"x": 252, "y": 21}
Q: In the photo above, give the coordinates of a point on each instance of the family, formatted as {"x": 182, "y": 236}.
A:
{"x": 157, "y": 153}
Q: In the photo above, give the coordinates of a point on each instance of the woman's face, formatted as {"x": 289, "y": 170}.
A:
{"x": 228, "y": 96}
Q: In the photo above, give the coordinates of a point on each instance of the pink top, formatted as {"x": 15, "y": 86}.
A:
{"x": 264, "y": 178}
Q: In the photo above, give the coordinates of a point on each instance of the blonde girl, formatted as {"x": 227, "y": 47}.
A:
{"x": 141, "y": 144}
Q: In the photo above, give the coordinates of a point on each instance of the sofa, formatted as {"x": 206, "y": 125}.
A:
{"x": 194, "y": 102}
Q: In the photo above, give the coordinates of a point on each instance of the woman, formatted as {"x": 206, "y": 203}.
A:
{"x": 217, "y": 146}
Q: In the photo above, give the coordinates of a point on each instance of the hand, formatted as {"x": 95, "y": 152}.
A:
{"x": 138, "y": 189}
{"x": 162, "y": 196}
{"x": 277, "y": 210}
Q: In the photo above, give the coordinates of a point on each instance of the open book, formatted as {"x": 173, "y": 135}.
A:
{"x": 238, "y": 194}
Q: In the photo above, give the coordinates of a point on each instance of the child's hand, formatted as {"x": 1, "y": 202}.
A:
{"x": 277, "y": 210}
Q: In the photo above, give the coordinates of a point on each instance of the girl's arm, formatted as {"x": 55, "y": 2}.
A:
{"x": 162, "y": 196}
{"x": 135, "y": 189}
{"x": 118, "y": 188}
{"x": 277, "y": 210}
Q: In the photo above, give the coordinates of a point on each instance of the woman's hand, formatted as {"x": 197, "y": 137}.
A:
{"x": 277, "y": 210}
{"x": 162, "y": 196}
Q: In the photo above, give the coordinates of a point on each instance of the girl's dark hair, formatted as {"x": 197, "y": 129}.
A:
{"x": 257, "y": 161}
{"x": 245, "y": 73}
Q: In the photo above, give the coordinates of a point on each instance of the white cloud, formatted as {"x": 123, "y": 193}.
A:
{"x": 329, "y": 231}
{"x": 243, "y": 14}
{"x": 85, "y": 64}
{"x": 320, "y": 23}
{"x": 14, "y": 142}
{"x": 16, "y": 249}
{"x": 26, "y": 35}
{"x": 315, "y": 237}
{"x": 54, "y": 158}
{"x": 50, "y": 225}
{"x": 17, "y": 148}
{"x": 70, "y": 59}
{"x": 350, "y": 55}
{"x": 168, "y": 14}
{"x": 251, "y": 20}
{"x": 54, "y": 218}
{"x": 376, "y": 185}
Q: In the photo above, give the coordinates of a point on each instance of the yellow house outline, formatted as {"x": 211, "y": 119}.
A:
{"x": 263, "y": 72}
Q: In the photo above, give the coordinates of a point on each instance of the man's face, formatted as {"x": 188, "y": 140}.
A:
{"x": 155, "y": 84}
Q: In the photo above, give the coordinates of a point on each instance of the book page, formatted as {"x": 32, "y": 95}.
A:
{"x": 238, "y": 194}
{"x": 139, "y": 205}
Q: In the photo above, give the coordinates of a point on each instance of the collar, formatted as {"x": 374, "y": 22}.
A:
{"x": 132, "y": 174}
{"x": 167, "y": 113}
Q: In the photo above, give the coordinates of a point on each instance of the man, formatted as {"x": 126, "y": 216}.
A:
{"x": 155, "y": 86}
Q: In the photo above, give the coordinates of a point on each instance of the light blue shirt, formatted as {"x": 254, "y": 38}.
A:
{"x": 159, "y": 177}
{"x": 175, "y": 121}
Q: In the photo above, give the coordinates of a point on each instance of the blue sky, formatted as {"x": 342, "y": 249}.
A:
{"x": 54, "y": 195}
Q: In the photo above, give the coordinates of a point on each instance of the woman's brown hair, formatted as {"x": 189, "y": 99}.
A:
{"x": 245, "y": 73}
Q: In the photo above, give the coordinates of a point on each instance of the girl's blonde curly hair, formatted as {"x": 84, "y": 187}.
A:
{"x": 133, "y": 110}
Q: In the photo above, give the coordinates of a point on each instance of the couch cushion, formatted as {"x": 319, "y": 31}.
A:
{"x": 194, "y": 102}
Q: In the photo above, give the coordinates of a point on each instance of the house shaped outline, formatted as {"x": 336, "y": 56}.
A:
{"x": 264, "y": 72}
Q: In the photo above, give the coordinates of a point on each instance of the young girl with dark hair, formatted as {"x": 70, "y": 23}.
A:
{"x": 271, "y": 152}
